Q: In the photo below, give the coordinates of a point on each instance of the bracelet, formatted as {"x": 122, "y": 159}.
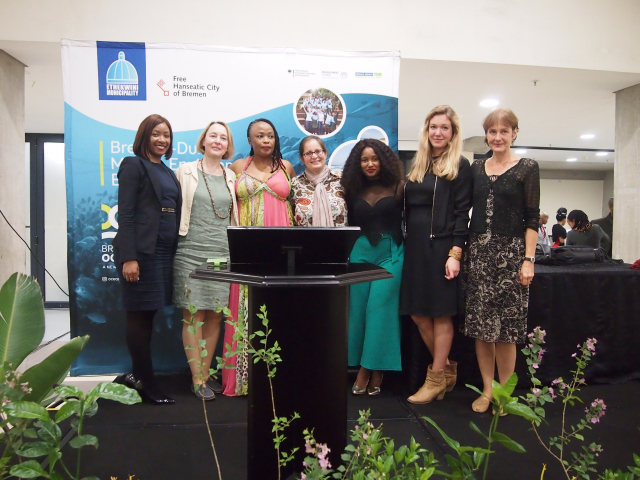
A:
{"x": 454, "y": 254}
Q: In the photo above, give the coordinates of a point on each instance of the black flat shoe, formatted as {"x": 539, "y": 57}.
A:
{"x": 214, "y": 385}
{"x": 203, "y": 392}
{"x": 155, "y": 397}
{"x": 128, "y": 380}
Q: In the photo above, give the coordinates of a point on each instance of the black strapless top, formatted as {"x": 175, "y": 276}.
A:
{"x": 385, "y": 216}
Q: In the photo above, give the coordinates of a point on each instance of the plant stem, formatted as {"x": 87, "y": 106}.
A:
{"x": 277, "y": 431}
{"x": 80, "y": 419}
{"x": 544, "y": 445}
{"x": 204, "y": 406}
{"x": 273, "y": 400}
{"x": 213, "y": 447}
{"x": 492, "y": 428}
{"x": 564, "y": 411}
{"x": 66, "y": 469}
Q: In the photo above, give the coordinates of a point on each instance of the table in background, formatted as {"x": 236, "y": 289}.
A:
{"x": 571, "y": 303}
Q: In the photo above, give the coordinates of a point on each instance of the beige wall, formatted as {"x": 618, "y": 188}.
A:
{"x": 12, "y": 184}
{"x": 585, "y": 195}
{"x": 585, "y": 34}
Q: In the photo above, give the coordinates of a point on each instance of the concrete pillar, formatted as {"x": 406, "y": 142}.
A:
{"x": 626, "y": 188}
{"x": 12, "y": 165}
{"x": 607, "y": 192}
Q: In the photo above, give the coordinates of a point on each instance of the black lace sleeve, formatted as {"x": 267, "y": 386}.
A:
{"x": 531, "y": 195}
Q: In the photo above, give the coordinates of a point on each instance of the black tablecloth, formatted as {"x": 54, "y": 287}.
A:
{"x": 572, "y": 303}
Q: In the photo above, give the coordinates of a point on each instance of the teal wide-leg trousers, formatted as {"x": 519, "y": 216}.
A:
{"x": 374, "y": 322}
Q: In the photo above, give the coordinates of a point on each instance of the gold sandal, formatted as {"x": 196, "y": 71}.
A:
{"x": 481, "y": 404}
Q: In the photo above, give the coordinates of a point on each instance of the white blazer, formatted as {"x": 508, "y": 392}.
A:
{"x": 188, "y": 177}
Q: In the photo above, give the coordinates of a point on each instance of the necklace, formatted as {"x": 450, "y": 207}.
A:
{"x": 224, "y": 174}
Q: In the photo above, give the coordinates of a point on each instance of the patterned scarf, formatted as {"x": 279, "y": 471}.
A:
{"x": 322, "y": 216}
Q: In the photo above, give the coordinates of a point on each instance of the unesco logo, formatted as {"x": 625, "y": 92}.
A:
{"x": 122, "y": 71}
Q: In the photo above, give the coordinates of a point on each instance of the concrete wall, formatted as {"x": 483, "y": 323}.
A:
{"x": 626, "y": 192}
{"x": 12, "y": 165}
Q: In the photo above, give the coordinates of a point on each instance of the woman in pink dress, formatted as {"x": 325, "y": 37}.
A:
{"x": 262, "y": 188}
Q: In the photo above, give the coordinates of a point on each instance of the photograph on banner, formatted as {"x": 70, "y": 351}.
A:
{"x": 110, "y": 87}
{"x": 320, "y": 112}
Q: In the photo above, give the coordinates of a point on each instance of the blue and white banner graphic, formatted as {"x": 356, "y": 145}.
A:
{"x": 110, "y": 87}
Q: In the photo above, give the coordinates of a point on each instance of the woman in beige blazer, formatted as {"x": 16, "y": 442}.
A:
{"x": 208, "y": 207}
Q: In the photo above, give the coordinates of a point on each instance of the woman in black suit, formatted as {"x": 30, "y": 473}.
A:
{"x": 149, "y": 202}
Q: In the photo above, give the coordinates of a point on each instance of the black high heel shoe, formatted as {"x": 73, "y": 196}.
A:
{"x": 128, "y": 380}
{"x": 148, "y": 394}
{"x": 155, "y": 397}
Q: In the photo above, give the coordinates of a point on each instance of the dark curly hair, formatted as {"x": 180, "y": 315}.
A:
{"x": 582, "y": 223}
{"x": 391, "y": 171}
{"x": 276, "y": 156}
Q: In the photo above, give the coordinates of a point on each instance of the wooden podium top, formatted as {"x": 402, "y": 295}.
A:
{"x": 313, "y": 275}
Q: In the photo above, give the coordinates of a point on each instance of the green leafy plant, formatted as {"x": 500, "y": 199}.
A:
{"x": 578, "y": 462}
{"x": 372, "y": 455}
{"x": 269, "y": 355}
{"x": 35, "y": 433}
{"x": 27, "y": 429}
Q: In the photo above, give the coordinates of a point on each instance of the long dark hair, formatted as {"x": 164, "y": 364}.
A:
{"x": 582, "y": 223}
{"x": 353, "y": 180}
{"x": 276, "y": 156}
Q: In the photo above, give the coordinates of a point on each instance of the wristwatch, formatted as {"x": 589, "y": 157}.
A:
{"x": 531, "y": 259}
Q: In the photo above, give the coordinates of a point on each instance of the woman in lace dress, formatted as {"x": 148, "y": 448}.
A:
{"x": 504, "y": 232}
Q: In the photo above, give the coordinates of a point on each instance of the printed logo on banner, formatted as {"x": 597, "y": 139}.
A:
{"x": 122, "y": 71}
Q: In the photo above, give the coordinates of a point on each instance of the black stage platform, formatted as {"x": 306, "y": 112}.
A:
{"x": 145, "y": 442}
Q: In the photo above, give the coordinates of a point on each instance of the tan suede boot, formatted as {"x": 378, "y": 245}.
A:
{"x": 433, "y": 388}
{"x": 451, "y": 375}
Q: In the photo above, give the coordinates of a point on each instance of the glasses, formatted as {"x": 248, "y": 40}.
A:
{"x": 317, "y": 153}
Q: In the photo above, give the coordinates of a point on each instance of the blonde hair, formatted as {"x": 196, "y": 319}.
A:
{"x": 499, "y": 116}
{"x": 447, "y": 164}
{"x": 230, "y": 150}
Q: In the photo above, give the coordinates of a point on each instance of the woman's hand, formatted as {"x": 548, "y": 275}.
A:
{"x": 526, "y": 273}
{"x": 131, "y": 271}
{"x": 451, "y": 268}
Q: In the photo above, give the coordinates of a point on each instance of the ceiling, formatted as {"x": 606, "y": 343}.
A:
{"x": 562, "y": 105}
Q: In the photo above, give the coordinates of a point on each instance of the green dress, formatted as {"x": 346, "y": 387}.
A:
{"x": 206, "y": 238}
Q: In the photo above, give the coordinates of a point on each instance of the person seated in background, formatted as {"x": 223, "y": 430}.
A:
{"x": 583, "y": 232}
{"x": 606, "y": 223}
{"x": 558, "y": 232}
{"x": 543, "y": 236}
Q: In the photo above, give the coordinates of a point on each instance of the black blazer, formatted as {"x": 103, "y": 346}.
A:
{"x": 452, "y": 202}
{"x": 139, "y": 208}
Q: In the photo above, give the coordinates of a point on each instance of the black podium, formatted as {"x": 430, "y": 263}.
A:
{"x": 301, "y": 275}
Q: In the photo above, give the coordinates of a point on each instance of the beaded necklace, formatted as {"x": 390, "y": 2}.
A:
{"x": 224, "y": 174}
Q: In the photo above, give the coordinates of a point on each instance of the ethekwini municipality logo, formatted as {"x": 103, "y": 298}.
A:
{"x": 122, "y": 71}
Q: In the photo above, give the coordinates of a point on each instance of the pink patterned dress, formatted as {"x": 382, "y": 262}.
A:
{"x": 259, "y": 204}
